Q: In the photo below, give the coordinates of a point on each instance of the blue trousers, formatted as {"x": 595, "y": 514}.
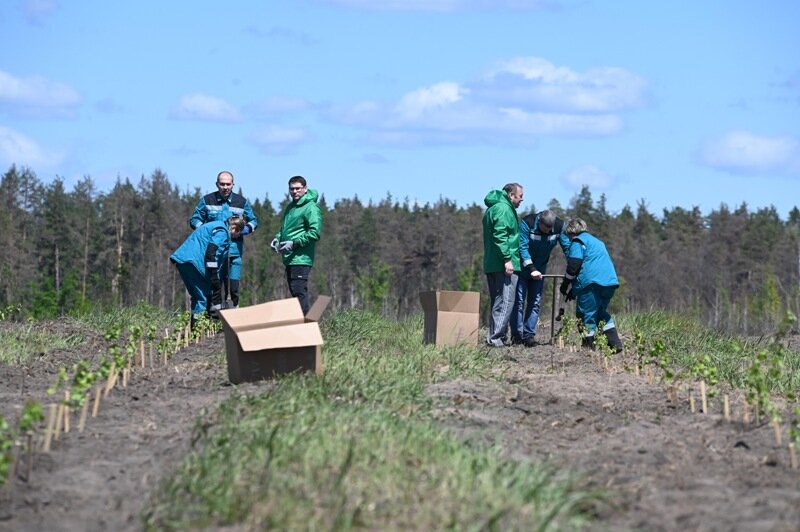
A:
{"x": 527, "y": 306}
{"x": 502, "y": 289}
{"x": 197, "y": 285}
{"x": 591, "y": 305}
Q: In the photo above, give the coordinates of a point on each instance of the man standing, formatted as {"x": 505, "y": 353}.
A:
{"x": 538, "y": 235}
{"x": 219, "y": 206}
{"x": 298, "y": 236}
{"x": 501, "y": 257}
{"x": 198, "y": 261}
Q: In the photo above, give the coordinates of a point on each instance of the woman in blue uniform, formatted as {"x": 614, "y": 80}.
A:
{"x": 199, "y": 259}
{"x": 591, "y": 273}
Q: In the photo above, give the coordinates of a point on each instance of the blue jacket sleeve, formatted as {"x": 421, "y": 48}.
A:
{"x": 250, "y": 216}
{"x": 199, "y": 217}
{"x": 524, "y": 241}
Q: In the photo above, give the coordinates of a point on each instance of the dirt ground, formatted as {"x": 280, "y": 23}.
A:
{"x": 665, "y": 467}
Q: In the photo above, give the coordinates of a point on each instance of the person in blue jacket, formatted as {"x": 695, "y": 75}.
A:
{"x": 538, "y": 234}
{"x": 199, "y": 259}
{"x": 591, "y": 273}
{"x": 219, "y": 206}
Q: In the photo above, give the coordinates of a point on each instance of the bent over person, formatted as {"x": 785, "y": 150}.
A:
{"x": 538, "y": 235}
{"x": 591, "y": 273}
{"x": 297, "y": 238}
{"x": 199, "y": 259}
{"x": 501, "y": 258}
{"x": 219, "y": 206}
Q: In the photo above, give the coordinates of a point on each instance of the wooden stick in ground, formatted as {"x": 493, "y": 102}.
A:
{"x": 792, "y": 456}
{"x": 66, "y": 411}
{"x": 59, "y": 421}
{"x": 97, "y": 392}
{"x": 746, "y": 412}
{"x": 776, "y": 428}
{"x": 691, "y": 402}
{"x": 112, "y": 377}
{"x": 29, "y": 456}
{"x": 84, "y": 412}
{"x": 125, "y": 377}
{"x": 141, "y": 350}
{"x": 150, "y": 354}
{"x": 49, "y": 427}
{"x": 703, "y": 397}
{"x": 12, "y": 466}
{"x": 726, "y": 407}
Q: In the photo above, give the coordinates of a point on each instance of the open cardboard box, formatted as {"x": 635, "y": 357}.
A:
{"x": 451, "y": 317}
{"x": 273, "y": 338}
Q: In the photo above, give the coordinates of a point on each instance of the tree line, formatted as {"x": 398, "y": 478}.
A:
{"x": 68, "y": 251}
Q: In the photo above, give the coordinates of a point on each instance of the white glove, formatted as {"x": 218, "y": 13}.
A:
{"x": 274, "y": 245}
{"x": 286, "y": 245}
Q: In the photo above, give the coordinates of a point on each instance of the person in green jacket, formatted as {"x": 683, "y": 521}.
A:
{"x": 501, "y": 258}
{"x": 298, "y": 236}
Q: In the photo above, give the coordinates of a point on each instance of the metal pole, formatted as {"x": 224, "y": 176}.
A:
{"x": 554, "y": 276}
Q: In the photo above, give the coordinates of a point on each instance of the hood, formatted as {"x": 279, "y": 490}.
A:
{"x": 496, "y": 196}
{"x": 310, "y": 196}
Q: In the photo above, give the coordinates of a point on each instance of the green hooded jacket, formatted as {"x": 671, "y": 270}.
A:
{"x": 500, "y": 233}
{"x": 302, "y": 224}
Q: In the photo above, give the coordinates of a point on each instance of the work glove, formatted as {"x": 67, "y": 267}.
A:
{"x": 247, "y": 230}
{"x": 216, "y": 291}
{"x": 570, "y": 295}
{"x": 286, "y": 245}
{"x": 564, "y": 286}
{"x": 274, "y": 245}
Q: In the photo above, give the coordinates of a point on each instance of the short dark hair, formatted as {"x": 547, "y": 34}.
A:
{"x": 512, "y": 188}
{"x": 298, "y": 179}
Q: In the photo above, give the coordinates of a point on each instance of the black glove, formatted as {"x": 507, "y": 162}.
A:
{"x": 564, "y": 286}
{"x": 216, "y": 289}
{"x": 570, "y": 295}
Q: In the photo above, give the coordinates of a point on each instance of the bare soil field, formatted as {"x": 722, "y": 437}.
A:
{"x": 664, "y": 467}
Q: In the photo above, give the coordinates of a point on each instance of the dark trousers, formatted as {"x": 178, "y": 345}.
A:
{"x": 297, "y": 277}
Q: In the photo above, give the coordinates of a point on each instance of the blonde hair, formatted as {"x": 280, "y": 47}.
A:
{"x": 575, "y": 227}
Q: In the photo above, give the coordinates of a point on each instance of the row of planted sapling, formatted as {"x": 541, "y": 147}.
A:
{"x": 83, "y": 384}
{"x": 699, "y": 379}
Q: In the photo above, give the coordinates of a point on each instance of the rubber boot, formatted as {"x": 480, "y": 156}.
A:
{"x": 613, "y": 339}
{"x": 588, "y": 341}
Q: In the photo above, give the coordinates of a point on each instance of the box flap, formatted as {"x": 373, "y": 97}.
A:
{"x": 297, "y": 335}
{"x": 319, "y": 306}
{"x": 450, "y": 301}
{"x": 270, "y": 314}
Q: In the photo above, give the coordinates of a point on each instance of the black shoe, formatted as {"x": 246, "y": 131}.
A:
{"x": 516, "y": 341}
{"x": 531, "y": 341}
{"x": 588, "y": 341}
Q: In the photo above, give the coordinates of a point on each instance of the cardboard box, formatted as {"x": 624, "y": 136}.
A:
{"x": 451, "y": 317}
{"x": 273, "y": 338}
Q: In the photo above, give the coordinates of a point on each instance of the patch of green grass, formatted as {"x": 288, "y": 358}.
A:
{"x": 19, "y": 342}
{"x": 689, "y": 345}
{"x": 356, "y": 448}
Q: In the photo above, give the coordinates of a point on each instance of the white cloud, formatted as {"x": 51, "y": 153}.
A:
{"x": 36, "y": 96}
{"x": 589, "y": 175}
{"x": 535, "y": 83}
{"x": 442, "y": 5}
{"x": 280, "y": 140}
{"x": 205, "y": 108}
{"x": 275, "y": 105}
{"x": 16, "y": 148}
{"x": 518, "y": 102}
{"x": 742, "y": 152}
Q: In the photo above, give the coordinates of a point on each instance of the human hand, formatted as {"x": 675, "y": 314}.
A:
{"x": 570, "y": 295}
{"x": 247, "y": 230}
{"x": 509, "y": 267}
{"x": 274, "y": 245}
{"x": 564, "y": 286}
{"x": 536, "y": 275}
{"x": 286, "y": 245}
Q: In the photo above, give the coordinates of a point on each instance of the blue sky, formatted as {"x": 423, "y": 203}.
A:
{"x": 674, "y": 103}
